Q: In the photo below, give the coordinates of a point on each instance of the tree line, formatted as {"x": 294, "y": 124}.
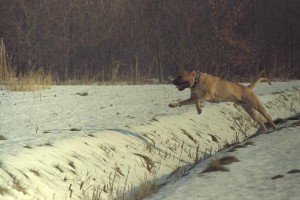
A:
{"x": 107, "y": 40}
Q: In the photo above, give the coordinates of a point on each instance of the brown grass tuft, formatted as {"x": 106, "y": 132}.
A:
{"x": 147, "y": 189}
{"x": 295, "y": 124}
{"x": 294, "y": 171}
{"x": 31, "y": 81}
{"x": 35, "y": 172}
{"x": 214, "y": 166}
{"x": 189, "y": 136}
{"x": 217, "y": 165}
{"x": 149, "y": 162}
{"x": 228, "y": 160}
{"x": 4, "y": 190}
{"x": 2, "y": 137}
{"x": 277, "y": 176}
{"x": 17, "y": 186}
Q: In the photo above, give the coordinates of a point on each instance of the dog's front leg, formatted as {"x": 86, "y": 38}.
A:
{"x": 200, "y": 100}
{"x": 198, "y": 106}
{"x": 182, "y": 103}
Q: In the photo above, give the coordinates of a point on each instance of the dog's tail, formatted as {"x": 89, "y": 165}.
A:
{"x": 253, "y": 85}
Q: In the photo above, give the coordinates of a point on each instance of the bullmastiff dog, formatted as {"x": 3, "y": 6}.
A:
{"x": 205, "y": 87}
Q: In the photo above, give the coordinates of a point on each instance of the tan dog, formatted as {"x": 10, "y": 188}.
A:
{"x": 205, "y": 87}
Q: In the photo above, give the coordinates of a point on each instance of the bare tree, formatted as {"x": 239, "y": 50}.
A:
{"x": 138, "y": 39}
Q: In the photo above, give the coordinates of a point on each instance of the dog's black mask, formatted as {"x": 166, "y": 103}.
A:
{"x": 184, "y": 80}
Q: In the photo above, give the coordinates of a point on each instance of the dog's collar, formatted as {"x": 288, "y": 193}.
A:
{"x": 197, "y": 79}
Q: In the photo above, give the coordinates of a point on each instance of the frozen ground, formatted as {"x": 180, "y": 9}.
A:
{"x": 61, "y": 144}
{"x": 268, "y": 168}
{"x": 35, "y": 118}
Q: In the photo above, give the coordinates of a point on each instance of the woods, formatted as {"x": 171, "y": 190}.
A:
{"x": 109, "y": 40}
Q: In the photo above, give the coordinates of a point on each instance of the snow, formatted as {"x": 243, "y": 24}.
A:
{"x": 25, "y": 116}
{"x": 61, "y": 145}
{"x": 253, "y": 177}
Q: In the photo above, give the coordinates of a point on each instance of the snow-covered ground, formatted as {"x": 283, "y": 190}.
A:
{"x": 62, "y": 144}
{"x": 268, "y": 168}
{"x": 35, "y": 118}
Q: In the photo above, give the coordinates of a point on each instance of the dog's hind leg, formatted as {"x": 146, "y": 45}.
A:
{"x": 253, "y": 115}
{"x": 253, "y": 102}
{"x": 260, "y": 108}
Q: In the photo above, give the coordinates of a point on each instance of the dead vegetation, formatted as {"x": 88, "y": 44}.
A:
{"x": 82, "y": 93}
{"x": 2, "y": 137}
{"x": 239, "y": 146}
{"x": 149, "y": 164}
{"x": 148, "y": 185}
{"x": 294, "y": 171}
{"x": 4, "y": 191}
{"x": 277, "y": 177}
{"x": 16, "y": 184}
{"x": 35, "y": 172}
{"x": 189, "y": 136}
{"x": 35, "y": 79}
{"x": 217, "y": 165}
{"x": 228, "y": 160}
{"x": 214, "y": 166}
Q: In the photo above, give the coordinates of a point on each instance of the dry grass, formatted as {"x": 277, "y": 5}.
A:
{"x": 293, "y": 171}
{"x": 35, "y": 172}
{"x": 239, "y": 146}
{"x": 17, "y": 186}
{"x": 148, "y": 186}
{"x": 2, "y": 137}
{"x": 58, "y": 168}
{"x": 277, "y": 176}
{"x": 217, "y": 165}
{"x": 96, "y": 194}
{"x": 297, "y": 123}
{"x": 236, "y": 140}
{"x": 149, "y": 163}
{"x": 228, "y": 160}
{"x": 75, "y": 129}
{"x": 189, "y": 136}
{"x": 82, "y": 93}
{"x": 4, "y": 191}
{"x": 145, "y": 189}
{"x": 214, "y": 166}
{"x": 31, "y": 81}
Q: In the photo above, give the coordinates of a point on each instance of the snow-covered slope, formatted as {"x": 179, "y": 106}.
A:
{"x": 61, "y": 144}
{"x": 268, "y": 168}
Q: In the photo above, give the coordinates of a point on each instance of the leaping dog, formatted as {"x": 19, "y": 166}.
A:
{"x": 205, "y": 87}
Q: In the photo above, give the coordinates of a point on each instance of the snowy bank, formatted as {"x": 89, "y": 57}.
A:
{"x": 61, "y": 145}
{"x": 268, "y": 168}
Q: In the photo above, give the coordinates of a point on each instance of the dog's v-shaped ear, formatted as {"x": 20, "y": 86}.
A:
{"x": 194, "y": 73}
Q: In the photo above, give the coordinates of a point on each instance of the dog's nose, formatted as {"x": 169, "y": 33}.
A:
{"x": 174, "y": 81}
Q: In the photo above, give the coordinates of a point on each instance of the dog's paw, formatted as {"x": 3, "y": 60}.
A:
{"x": 199, "y": 111}
{"x": 173, "y": 105}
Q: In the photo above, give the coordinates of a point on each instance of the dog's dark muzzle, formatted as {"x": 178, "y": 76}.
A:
{"x": 181, "y": 85}
{"x": 175, "y": 82}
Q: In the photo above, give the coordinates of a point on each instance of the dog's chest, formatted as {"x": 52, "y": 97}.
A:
{"x": 196, "y": 92}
